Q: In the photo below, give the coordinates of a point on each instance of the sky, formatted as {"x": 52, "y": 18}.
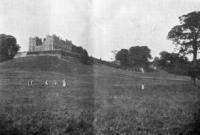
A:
{"x": 100, "y": 26}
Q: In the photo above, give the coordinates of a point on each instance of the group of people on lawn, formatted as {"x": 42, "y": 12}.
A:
{"x": 62, "y": 83}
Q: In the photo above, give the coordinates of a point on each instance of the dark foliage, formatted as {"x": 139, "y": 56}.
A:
{"x": 186, "y": 36}
{"x": 122, "y": 56}
{"x": 8, "y": 47}
{"x": 173, "y": 63}
{"x": 85, "y": 59}
{"x": 77, "y": 49}
{"x": 137, "y": 56}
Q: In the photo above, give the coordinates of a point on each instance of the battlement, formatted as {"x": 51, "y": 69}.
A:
{"x": 49, "y": 43}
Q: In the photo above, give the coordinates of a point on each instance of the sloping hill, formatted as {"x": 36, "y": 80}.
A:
{"x": 54, "y": 64}
{"x": 44, "y": 63}
{"x": 98, "y": 99}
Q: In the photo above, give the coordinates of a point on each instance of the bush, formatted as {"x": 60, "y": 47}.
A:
{"x": 85, "y": 59}
{"x": 8, "y": 47}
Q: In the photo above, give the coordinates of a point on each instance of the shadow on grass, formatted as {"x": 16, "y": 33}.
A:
{"x": 82, "y": 125}
{"x": 192, "y": 128}
{"x": 32, "y": 126}
{"x": 37, "y": 125}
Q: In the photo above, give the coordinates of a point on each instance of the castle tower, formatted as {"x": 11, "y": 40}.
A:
{"x": 32, "y": 44}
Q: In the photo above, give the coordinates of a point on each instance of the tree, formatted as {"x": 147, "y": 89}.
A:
{"x": 77, "y": 49}
{"x": 122, "y": 56}
{"x": 186, "y": 36}
{"x": 168, "y": 60}
{"x": 172, "y": 62}
{"x": 84, "y": 57}
{"x": 8, "y": 47}
{"x": 139, "y": 56}
{"x": 156, "y": 61}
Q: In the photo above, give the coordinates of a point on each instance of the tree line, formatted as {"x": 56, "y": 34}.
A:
{"x": 172, "y": 63}
{"x": 185, "y": 36}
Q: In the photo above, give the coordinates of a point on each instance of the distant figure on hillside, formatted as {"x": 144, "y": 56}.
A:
{"x": 64, "y": 84}
{"x": 142, "y": 70}
{"x": 142, "y": 87}
{"x": 46, "y": 83}
{"x": 30, "y": 82}
{"x": 55, "y": 82}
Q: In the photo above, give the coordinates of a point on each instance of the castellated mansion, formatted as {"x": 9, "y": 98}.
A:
{"x": 54, "y": 46}
{"x": 49, "y": 43}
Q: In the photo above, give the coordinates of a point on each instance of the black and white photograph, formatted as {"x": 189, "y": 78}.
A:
{"x": 99, "y": 67}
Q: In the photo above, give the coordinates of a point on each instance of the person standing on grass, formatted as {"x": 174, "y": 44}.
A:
{"x": 55, "y": 82}
{"x": 64, "y": 84}
{"x": 46, "y": 83}
{"x": 30, "y": 82}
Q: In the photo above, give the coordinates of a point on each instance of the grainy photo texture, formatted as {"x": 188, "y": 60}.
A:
{"x": 99, "y": 67}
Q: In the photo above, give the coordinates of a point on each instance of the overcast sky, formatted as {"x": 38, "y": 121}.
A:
{"x": 100, "y": 26}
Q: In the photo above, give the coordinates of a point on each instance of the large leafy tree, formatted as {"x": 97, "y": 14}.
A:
{"x": 186, "y": 36}
{"x": 172, "y": 62}
{"x": 122, "y": 56}
{"x": 8, "y": 47}
{"x": 139, "y": 56}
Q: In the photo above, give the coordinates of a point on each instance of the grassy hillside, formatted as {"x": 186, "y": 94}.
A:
{"x": 98, "y": 100}
{"x": 43, "y": 63}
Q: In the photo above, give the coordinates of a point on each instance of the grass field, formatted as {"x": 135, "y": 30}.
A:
{"x": 98, "y": 100}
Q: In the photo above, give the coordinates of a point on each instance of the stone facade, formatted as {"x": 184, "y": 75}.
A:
{"x": 49, "y": 43}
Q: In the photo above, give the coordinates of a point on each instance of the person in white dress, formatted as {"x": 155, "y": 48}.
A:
{"x": 64, "y": 84}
